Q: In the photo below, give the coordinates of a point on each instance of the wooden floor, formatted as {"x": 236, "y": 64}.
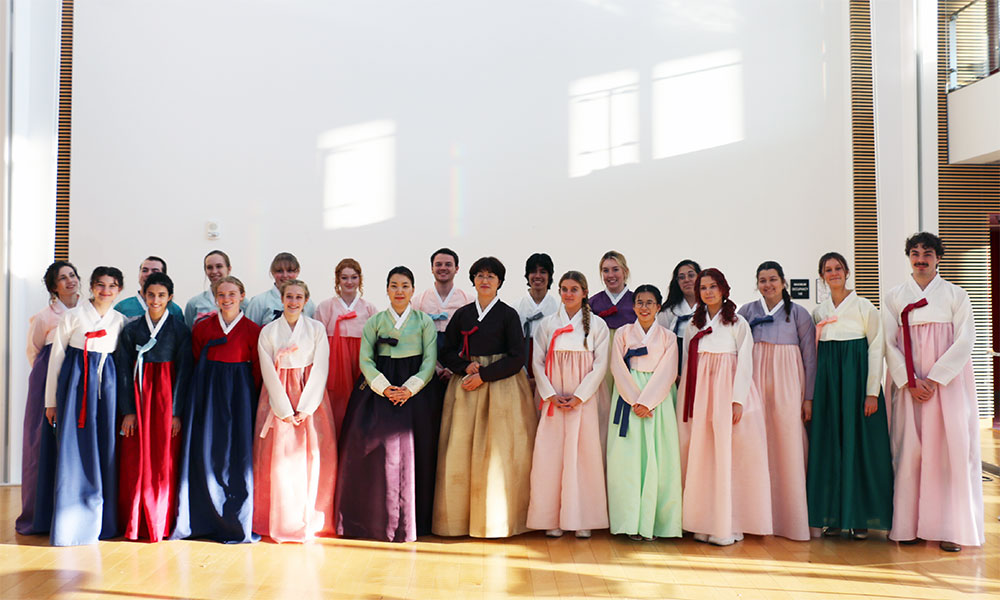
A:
{"x": 524, "y": 567}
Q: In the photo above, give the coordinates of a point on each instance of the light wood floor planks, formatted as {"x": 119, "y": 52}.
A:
{"x": 528, "y": 566}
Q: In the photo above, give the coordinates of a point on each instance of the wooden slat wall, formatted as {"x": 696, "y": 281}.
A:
{"x": 967, "y": 195}
{"x": 863, "y": 150}
{"x": 65, "y": 121}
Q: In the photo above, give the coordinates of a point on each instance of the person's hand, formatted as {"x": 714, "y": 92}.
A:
{"x": 175, "y": 426}
{"x": 50, "y": 416}
{"x": 128, "y": 425}
{"x": 928, "y": 387}
{"x": 445, "y": 374}
{"x": 402, "y": 395}
{"x": 871, "y": 405}
{"x": 471, "y": 382}
{"x": 917, "y": 392}
{"x": 472, "y": 368}
{"x": 641, "y": 411}
{"x": 807, "y": 410}
{"x": 737, "y": 412}
{"x": 290, "y": 419}
{"x": 569, "y": 402}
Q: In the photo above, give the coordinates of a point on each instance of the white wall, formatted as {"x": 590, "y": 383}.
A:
{"x": 974, "y": 123}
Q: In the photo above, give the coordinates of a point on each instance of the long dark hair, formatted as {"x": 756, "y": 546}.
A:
{"x": 674, "y": 293}
{"x": 785, "y": 296}
{"x": 728, "y": 306}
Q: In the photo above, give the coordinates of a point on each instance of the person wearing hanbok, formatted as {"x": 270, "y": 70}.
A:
{"x": 295, "y": 446}
{"x": 679, "y": 306}
{"x": 644, "y": 466}
{"x": 344, "y": 316}
{"x": 385, "y": 488}
{"x": 267, "y": 306}
{"x": 215, "y": 487}
{"x": 217, "y": 266}
{"x": 537, "y": 303}
{"x": 134, "y": 307}
{"x": 489, "y": 419}
{"x": 81, "y": 394}
{"x": 849, "y": 471}
{"x": 727, "y": 490}
{"x": 567, "y": 470}
{"x": 154, "y": 372}
{"x": 784, "y": 371}
{"x": 38, "y": 444}
{"x": 929, "y": 335}
{"x": 614, "y": 303}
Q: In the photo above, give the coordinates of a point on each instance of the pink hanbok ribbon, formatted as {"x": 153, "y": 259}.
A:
{"x": 822, "y": 324}
{"x": 269, "y": 421}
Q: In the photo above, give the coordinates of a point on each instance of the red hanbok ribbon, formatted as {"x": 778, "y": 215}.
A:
{"x": 465, "y": 342}
{"x": 549, "y": 359}
{"x": 822, "y": 324}
{"x": 692, "y": 373}
{"x": 343, "y": 317}
{"x": 911, "y": 376}
{"x": 607, "y": 312}
{"x": 86, "y": 368}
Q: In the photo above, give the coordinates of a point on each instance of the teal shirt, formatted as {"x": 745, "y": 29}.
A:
{"x": 131, "y": 307}
{"x": 418, "y": 337}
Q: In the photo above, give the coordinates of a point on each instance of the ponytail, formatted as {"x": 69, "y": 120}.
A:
{"x": 788, "y": 303}
{"x": 585, "y": 307}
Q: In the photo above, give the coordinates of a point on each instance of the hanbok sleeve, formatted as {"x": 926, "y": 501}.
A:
{"x": 255, "y": 310}
{"x": 190, "y": 312}
{"x": 743, "y": 378}
{"x": 366, "y": 358}
{"x": 310, "y": 309}
{"x": 63, "y": 333}
{"x": 281, "y": 406}
{"x": 807, "y": 348}
{"x": 876, "y": 348}
{"x": 125, "y": 357}
{"x": 894, "y": 360}
{"x": 184, "y": 366}
{"x": 542, "y": 339}
{"x": 954, "y": 359}
{"x": 450, "y": 357}
{"x": 624, "y": 384}
{"x": 323, "y": 313}
{"x": 658, "y": 387}
{"x": 36, "y": 338}
{"x": 514, "y": 341}
{"x": 592, "y": 381}
{"x": 415, "y": 383}
{"x": 315, "y": 388}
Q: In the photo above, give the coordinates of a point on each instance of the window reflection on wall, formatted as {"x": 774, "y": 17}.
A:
{"x": 359, "y": 174}
{"x": 697, "y": 103}
{"x": 603, "y": 122}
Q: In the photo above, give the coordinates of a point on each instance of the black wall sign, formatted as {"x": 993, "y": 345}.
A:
{"x": 799, "y": 289}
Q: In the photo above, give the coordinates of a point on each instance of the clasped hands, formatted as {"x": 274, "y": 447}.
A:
{"x": 397, "y": 394}
{"x": 472, "y": 379}
{"x": 564, "y": 402}
{"x": 923, "y": 390}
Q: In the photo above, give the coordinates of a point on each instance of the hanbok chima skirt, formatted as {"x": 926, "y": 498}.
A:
{"x": 215, "y": 498}
{"x": 780, "y": 378}
{"x": 388, "y": 457}
{"x": 85, "y": 495}
{"x": 295, "y": 468}
{"x": 147, "y": 486}
{"x": 484, "y": 457}
{"x": 849, "y": 475}
{"x": 644, "y": 469}
{"x": 344, "y": 371}
{"x": 567, "y": 470}
{"x": 939, "y": 487}
{"x": 726, "y": 484}
{"x": 38, "y": 454}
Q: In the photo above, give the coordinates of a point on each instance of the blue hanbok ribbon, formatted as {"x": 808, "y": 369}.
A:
{"x": 277, "y": 313}
{"x": 527, "y": 335}
{"x": 144, "y": 348}
{"x": 622, "y": 409}
{"x": 441, "y": 316}
{"x": 682, "y": 319}
{"x": 387, "y": 340}
{"x": 761, "y": 321}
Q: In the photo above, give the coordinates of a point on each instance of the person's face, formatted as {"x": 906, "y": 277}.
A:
{"x": 538, "y": 279}
{"x": 686, "y": 276}
{"x": 572, "y": 294}
{"x": 157, "y": 297}
{"x": 834, "y": 273}
{"x": 710, "y": 292}
{"x": 67, "y": 282}
{"x": 147, "y": 268}
{"x": 349, "y": 281}
{"x": 293, "y": 300}
{"x": 487, "y": 284}
{"x": 613, "y": 275}
{"x": 646, "y": 307}
{"x": 400, "y": 290}
{"x": 215, "y": 267}
{"x": 283, "y": 273}
{"x": 443, "y": 267}
{"x": 228, "y": 297}
{"x": 923, "y": 260}
{"x": 770, "y": 285}
{"x": 105, "y": 289}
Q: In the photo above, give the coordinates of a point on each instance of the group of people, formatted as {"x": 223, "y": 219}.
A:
{"x": 455, "y": 414}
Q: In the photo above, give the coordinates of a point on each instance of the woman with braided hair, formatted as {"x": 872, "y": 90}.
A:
{"x": 567, "y": 472}
{"x": 727, "y": 490}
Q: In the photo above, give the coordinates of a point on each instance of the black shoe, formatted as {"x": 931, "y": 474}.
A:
{"x": 831, "y": 531}
{"x": 912, "y": 542}
{"x": 950, "y": 547}
{"x": 859, "y": 534}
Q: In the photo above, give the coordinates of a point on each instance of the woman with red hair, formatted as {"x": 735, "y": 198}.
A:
{"x": 721, "y": 423}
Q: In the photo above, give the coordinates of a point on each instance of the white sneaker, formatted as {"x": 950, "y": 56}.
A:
{"x": 701, "y": 537}
{"x": 583, "y": 534}
{"x": 554, "y": 533}
{"x": 726, "y": 541}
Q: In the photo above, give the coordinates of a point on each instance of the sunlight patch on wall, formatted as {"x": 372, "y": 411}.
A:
{"x": 603, "y": 122}
{"x": 359, "y": 174}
